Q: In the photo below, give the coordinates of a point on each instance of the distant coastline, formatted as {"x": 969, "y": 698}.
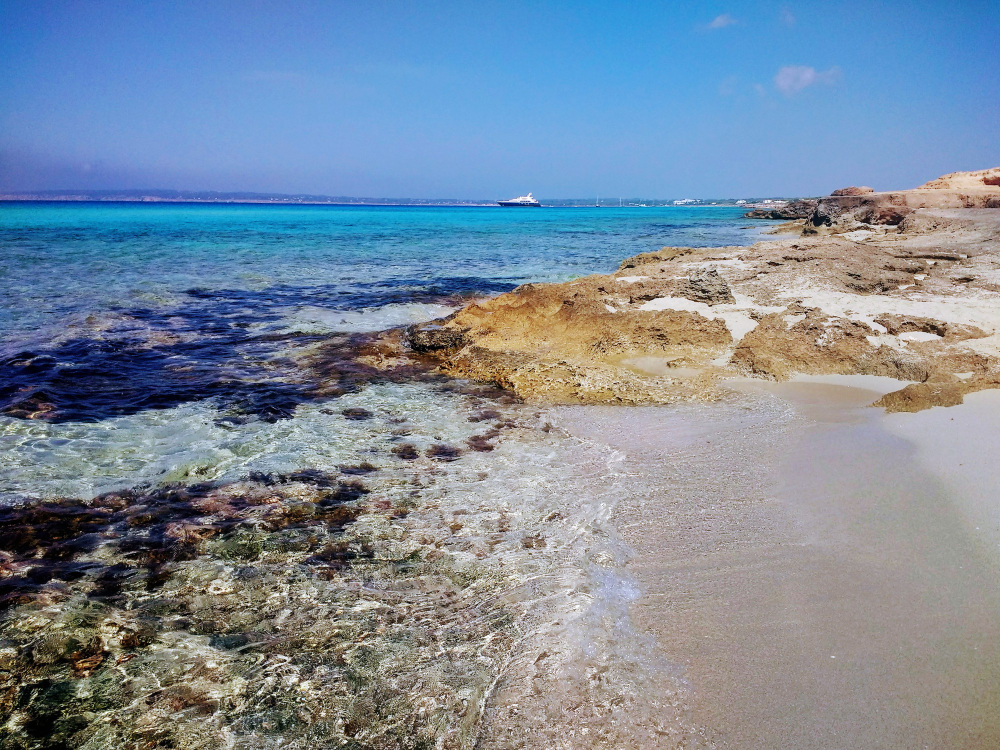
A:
{"x": 191, "y": 196}
{"x": 184, "y": 196}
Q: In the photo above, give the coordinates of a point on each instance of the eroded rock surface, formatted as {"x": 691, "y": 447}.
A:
{"x": 800, "y": 209}
{"x": 848, "y": 209}
{"x": 706, "y": 285}
{"x": 905, "y": 285}
{"x": 853, "y": 190}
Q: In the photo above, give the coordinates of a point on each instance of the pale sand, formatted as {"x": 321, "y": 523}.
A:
{"x": 960, "y": 446}
{"x": 827, "y": 574}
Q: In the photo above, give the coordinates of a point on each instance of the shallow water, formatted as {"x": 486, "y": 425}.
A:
{"x": 373, "y": 598}
{"x": 224, "y": 527}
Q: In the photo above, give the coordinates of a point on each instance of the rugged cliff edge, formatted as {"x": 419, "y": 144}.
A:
{"x": 859, "y": 206}
{"x": 903, "y": 284}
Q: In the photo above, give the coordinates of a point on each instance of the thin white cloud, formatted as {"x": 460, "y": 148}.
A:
{"x": 787, "y": 17}
{"x": 729, "y": 86}
{"x": 721, "y": 22}
{"x": 792, "y": 79}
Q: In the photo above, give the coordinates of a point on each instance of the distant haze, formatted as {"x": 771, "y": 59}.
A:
{"x": 469, "y": 100}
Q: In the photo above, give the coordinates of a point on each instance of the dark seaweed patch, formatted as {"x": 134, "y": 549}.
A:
{"x": 484, "y": 415}
{"x": 479, "y": 443}
{"x": 406, "y": 451}
{"x": 91, "y": 380}
{"x": 145, "y": 531}
{"x": 157, "y": 359}
{"x": 358, "y": 296}
{"x": 359, "y": 469}
{"x": 357, "y": 413}
{"x": 443, "y": 452}
{"x": 338, "y": 555}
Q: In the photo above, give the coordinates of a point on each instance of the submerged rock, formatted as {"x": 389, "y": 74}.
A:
{"x": 296, "y": 607}
{"x": 357, "y": 414}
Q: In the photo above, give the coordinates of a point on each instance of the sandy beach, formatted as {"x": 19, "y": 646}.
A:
{"x": 825, "y": 573}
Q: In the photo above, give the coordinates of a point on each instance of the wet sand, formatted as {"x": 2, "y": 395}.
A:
{"x": 825, "y": 573}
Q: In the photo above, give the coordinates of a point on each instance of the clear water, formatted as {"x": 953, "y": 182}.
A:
{"x": 222, "y": 529}
{"x": 61, "y": 261}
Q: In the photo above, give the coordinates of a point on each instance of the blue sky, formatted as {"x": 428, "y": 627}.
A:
{"x": 407, "y": 99}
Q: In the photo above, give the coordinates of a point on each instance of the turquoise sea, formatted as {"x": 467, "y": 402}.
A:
{"x": 63, "y": 260}
{"x": 221, "y": 525}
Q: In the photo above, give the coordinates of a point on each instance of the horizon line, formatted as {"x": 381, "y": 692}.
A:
{"x": 153, "y": 195}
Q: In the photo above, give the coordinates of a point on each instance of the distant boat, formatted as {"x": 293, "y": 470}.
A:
{"x": 524, "y": 200}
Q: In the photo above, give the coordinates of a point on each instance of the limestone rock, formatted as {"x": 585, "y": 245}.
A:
{"x": 706, "y": 285}
{"x": 800, "y": 209}
{"x": 674, "y": 323}
{"x": 920, "y": 396}
{"x": 656, "y": 256}
{"x": 863, "y": 190}
{"x": 434, "y": 337}
{"x": 983, "y": 178}
{"x": 881, "y": 214}
{"x": 813, "y": 345}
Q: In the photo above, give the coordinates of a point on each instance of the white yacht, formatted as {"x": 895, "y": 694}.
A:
{"x": 524, "y": 200}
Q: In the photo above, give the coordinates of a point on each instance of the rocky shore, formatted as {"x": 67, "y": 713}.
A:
{"x": 902, "y": 284}
{"x": 799, "y": 209}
